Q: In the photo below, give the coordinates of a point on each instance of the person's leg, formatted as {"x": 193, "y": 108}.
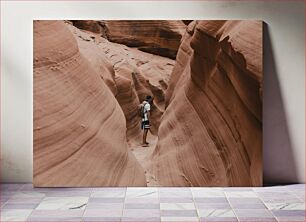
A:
{"x": 144, "y": 138}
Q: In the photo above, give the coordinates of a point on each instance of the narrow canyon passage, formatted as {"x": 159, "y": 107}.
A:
{"x": 143, "y": 156}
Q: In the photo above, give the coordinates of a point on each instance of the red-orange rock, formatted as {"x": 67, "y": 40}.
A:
{"x": 211, "y": 131}
{"x": 131, "y": 75}
{"x": 79, "y": 127}
{"x": 160, "y": 37}
{"x": 89, "y": 25}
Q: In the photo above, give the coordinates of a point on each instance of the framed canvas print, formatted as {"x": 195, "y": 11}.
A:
{"x": 147, "y": 103}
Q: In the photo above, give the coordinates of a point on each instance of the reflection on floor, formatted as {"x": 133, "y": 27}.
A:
{"x": 22, "y": 202}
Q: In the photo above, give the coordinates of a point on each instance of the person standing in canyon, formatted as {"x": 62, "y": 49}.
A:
{"x": 145, "y": 121}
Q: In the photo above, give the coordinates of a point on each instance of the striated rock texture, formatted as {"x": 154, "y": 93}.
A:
{"x": 211, "y": 131}
{"x": 89, "y": 25}
{"x": 160, "y": 37}
{"x": 131, "y": 75}
{"x": 79, "y": 127}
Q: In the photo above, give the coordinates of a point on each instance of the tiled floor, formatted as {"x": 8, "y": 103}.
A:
{"x": 22, "y": 202}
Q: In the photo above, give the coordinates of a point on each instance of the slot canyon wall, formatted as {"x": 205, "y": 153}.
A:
{"x": 79, "y": 127}
{"x": 130, "y": 73}
{"x": 211, "y": 131}
{"x": 90, "y": 76}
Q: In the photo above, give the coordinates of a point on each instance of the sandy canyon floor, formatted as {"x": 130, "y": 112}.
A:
{"x": 143, "y": 155}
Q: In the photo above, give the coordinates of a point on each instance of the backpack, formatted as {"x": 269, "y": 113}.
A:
{"x": 141, "y": 110}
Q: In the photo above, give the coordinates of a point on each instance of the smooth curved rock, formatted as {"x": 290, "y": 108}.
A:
{"x": 131, "y": 75}
{"x": 79, "y": 127}
{"x": 97, "y": 58}
{"x": 211, "y": 131}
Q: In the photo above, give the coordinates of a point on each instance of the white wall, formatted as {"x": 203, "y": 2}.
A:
{"x": 284, "y": 95}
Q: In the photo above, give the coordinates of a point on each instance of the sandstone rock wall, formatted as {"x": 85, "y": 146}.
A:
{"x": 130, "y": 74}
{"x": 160, "y": 37}
{"x": 79, "y": 127}
{"x": 89, "y": 25}
{"x": 211, "y": 131}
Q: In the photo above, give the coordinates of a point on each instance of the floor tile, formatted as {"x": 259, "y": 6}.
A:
{"x": 219, "y": 219}
{"x": 101, "y": 219}
{"x": 62, "y": 203}
{"x": 291, "y": 219}
{"x": 285, "y": 206}
{"x": 135, "y": 192}
{"x": 105, "y": 200}
{"x": 216, "y": 213}
{"x": 248, "y": 206}
{"x": 299, "y": 192}
{"x": 210, "y": 200}
{"x": 274, "y": 193}
{"x": 175, "y": 193}
{"x": 287, "y": 203}
{"x": 278, "y": 189}
{"x": 259, "y": 213}
{"x": 300, "y": 195}
{"x": 91, "y": 205}
{"x": 14, "y": 215}
{"x": 178, "y": 219}
{"x": 296, "y": 187}
{"x": 28, "y": 194}
{"x": 30, "y": 187}
{"x": 109, "y": 194}
{"x": 55, "y": 219}
{"x": 245, "y": 200}
{"x": 109, "y": 189}
{"x": 177, "y": 206}
{"x": 280, "y": 200}
{"x": 240, "y": 194}
{"x": 68, "y": 193}
{"x": 178, "y": 213}
{"x": 206, "y": 192}
{"x": 57, "y": 213}
{"x": 142, "y": 200}
{"x": 142, "y": 213}
{"x": 140, "y": 219}
{"x": 24, "y": 200}
{"x": 19, "y": 206}
{"x": 289, "y": 213}
{"x": 3, "y": 200}
{"x": 103, "y": 213}
{"x": 213, "y": 205}
{"x": 176, "y": 200}
{"x": 141, "y": 206}
{"x": 237, "y": 189}
{"x": 175, "y": 189}
{"x": 256, "y": 219}
{"x": 27, "y": 187}
{"x": 10, "y": 186}
{"x": 275, "y": 197}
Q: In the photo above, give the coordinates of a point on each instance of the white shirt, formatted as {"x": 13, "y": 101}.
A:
{"x": 146, "y": 109}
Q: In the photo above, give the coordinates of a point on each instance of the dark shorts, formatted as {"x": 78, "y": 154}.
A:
{"x": 145, "y": 124}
